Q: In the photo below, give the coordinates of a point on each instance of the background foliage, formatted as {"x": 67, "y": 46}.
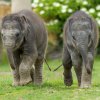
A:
{"x": 55, "y": 13}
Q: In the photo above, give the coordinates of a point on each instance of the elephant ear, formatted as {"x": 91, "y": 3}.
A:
{"x": 70, "y": 24}
{"x": 70, "y": 31}
{"x": 25, "y": 26}
{"x": 91, "y": 37}
{"x": 95, "y": 32}
{"x": 90, "y": 40}
{"x": 67, "y": 26}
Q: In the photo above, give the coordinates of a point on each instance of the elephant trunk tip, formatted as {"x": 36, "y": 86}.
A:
{"x": 88, "y": 68}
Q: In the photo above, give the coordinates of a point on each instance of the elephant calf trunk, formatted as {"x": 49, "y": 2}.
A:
{"x": 88, "y": 68}
{"x": 85, "y": 61}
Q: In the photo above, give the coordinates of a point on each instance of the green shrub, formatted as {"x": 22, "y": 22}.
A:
{"x": 55, "y": 12}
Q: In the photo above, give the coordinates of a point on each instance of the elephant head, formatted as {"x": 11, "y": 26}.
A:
{"x": 81, "y": 39}
{"x": 14, "y": 30}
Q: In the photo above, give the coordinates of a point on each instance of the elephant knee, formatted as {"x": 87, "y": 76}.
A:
{"x": 23, "y": 69}
{"x": 39, "y": 62}
{"x": 90, "y": 57}
{"x": 67, "y": 65}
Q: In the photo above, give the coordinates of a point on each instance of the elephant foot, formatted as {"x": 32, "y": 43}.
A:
{"x": 68, "y": 81}
{"x": 24, "y": 82}
{"x": 38, "y": 82}
{"x": 79, "y": 84}
{"x": 85, "y": 85}
{"x": 32, "y": 74}
{"x": 15, "y": 84}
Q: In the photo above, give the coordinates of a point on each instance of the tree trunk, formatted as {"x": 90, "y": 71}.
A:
{"x": 18, "y": 5}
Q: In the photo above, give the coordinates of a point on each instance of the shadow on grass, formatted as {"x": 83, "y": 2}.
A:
{"x": 97, "y": 85}
{"x": 46, "y": 85}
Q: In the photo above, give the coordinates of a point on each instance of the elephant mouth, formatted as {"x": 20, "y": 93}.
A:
{"x": 8, "y": 45}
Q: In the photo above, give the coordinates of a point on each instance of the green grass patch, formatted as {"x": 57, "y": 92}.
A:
{"x": 53, "y": 87}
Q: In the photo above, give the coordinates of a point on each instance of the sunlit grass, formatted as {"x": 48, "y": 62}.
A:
{"x": 53, "y": 87}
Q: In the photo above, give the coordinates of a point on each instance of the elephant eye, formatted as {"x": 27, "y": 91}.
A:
{"x": 73, "y": 36}
{"x": 89, "y": 38}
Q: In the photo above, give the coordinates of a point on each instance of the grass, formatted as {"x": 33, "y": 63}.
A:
{"x": 52, "y": 88}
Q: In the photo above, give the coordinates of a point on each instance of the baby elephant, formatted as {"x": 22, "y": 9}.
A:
{"x": 80, "y": 42}
{"x": 25, "y": 38}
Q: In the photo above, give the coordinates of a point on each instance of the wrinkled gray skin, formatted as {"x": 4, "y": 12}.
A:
{"x": 25, "y": 38}
{"x": 80, "y": 41}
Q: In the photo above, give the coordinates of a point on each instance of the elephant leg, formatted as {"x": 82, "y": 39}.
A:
{"x": 77, "y": 65}
{"x": 38, "y": 71}
{"x": 14, "y": 60}
{"x": 16, "y": 77}
{"x": 78, "y": 71}
{"x": 32, "y": 73}
{"x": 25, "y": 70}
{"x": 86, "y": 77}
{"x": 67, "y": 64}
